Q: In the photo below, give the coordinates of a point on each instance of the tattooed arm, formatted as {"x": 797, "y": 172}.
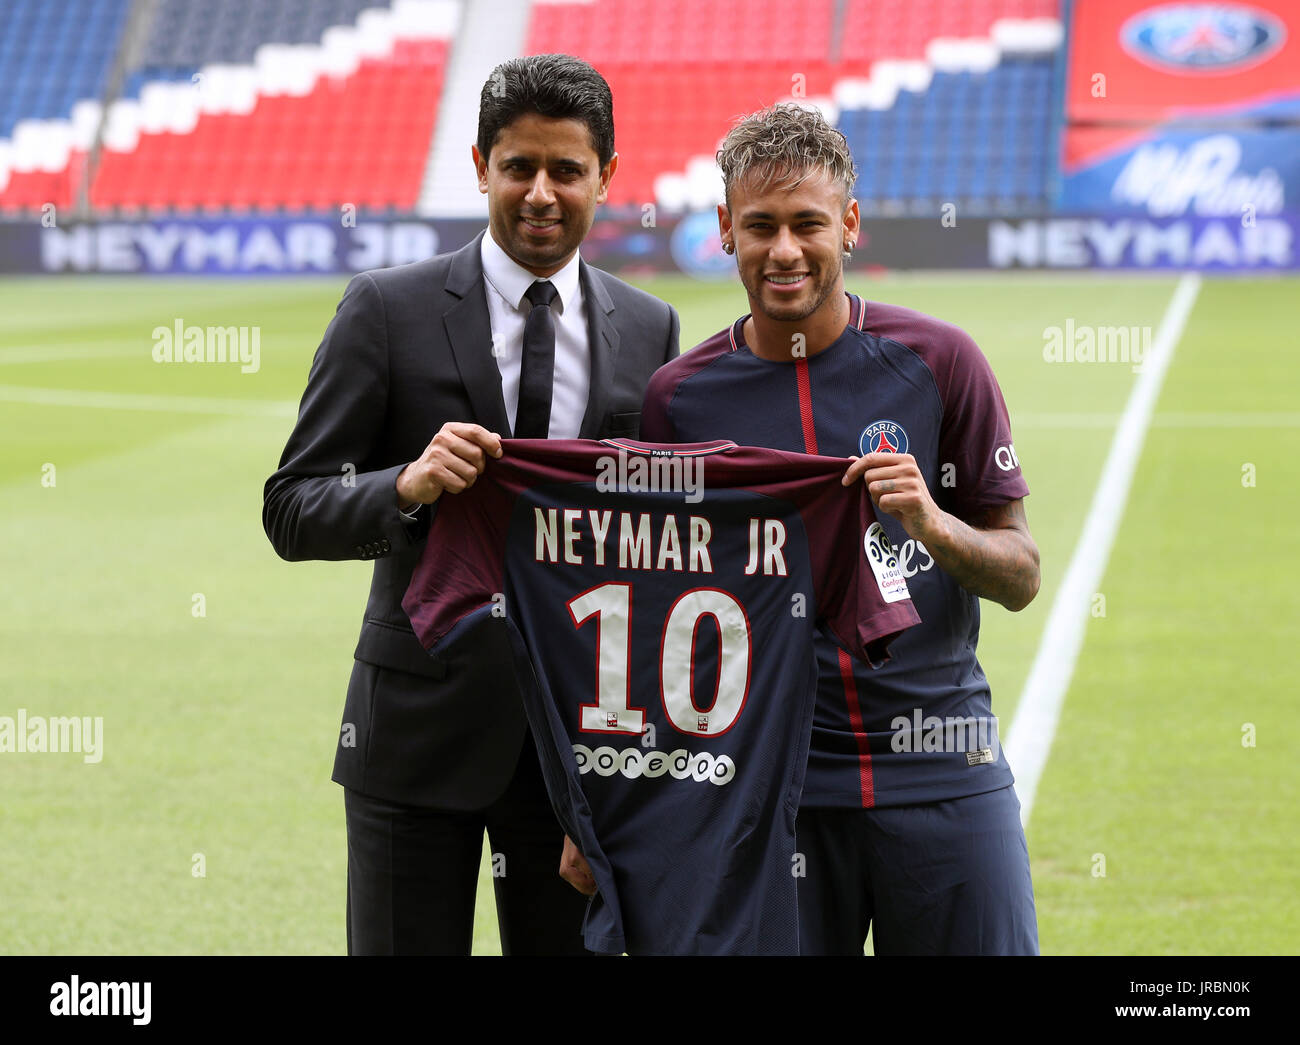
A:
{"x": 994, "y": 556}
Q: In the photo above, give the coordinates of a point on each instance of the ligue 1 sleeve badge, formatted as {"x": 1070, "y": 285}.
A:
{"x": 883, "y": 437}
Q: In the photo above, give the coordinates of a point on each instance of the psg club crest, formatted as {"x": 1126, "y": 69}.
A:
{"x": 883, "y": 437}
{"x": 1202, "y": 38}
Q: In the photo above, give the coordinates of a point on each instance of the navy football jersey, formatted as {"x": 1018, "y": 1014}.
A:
{"x": 921, "y": 728}
{"x": 661, "y": 603}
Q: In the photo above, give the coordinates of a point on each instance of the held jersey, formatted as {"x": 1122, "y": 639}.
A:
{"x": 661, "y": 602}
{"x": 921, "y": 728}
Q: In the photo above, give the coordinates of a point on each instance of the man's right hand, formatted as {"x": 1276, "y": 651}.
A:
{"x": 454, "y": 458}
{"x": 575, "y": 870}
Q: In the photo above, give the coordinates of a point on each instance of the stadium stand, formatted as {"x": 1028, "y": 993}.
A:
{"x": 928, "y": 118}
{"x": 876, "y": 30}
{"x": 185, "y": 36}
{"x": 182, "y": 106}
{"x": 982, "y": 139}
{"x": 968, "y": 118}
{"x": 278, "y": 106}
{"x": 55, "y": 61}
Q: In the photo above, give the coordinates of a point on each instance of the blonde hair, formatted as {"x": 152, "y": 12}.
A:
{"x": 785, "y": 145}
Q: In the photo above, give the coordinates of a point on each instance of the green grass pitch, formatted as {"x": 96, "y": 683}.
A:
{"x": 1166, "y": 818}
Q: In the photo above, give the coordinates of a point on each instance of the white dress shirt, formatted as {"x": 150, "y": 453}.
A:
{"x": 507, "y": 282}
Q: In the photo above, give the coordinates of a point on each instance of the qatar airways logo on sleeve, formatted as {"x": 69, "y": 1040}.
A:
{"x": 1202, "y": 38}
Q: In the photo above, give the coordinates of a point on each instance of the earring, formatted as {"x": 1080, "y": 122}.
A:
{"x": 728, "y": 248}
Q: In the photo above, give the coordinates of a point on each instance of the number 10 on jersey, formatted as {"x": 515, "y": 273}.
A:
{"x": 611, "y": 605}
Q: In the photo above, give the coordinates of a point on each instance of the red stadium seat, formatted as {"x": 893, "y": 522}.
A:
{"x": 362, "y": 139}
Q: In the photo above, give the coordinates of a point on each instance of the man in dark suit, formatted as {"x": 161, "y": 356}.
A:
{"x": 511, "y": 335}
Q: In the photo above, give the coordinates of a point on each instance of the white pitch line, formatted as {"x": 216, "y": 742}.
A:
{"x": 1029, "y": 740}
{"x": 135, "y": 401}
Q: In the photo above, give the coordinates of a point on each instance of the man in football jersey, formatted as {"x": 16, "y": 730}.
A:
{"x": 908, "y": 822}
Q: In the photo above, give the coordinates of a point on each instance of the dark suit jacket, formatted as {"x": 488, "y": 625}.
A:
{"x": 408, "y": 350}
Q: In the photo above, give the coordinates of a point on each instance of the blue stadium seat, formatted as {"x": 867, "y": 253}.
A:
{"x": 53, "y": 55}
{"x": 978, "y": 136}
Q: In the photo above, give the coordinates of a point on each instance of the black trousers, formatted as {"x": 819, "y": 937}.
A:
{"x": 413, "y": 873}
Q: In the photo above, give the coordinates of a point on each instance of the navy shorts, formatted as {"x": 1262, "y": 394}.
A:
{"x": 942, "y": 878}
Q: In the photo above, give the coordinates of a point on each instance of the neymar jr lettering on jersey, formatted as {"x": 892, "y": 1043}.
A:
{"x": 665, "y": 650}
{"x": 681, "y": 544}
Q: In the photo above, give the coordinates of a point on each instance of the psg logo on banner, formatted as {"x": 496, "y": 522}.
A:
{"x": 696, "y": 246}
{"x": 1202, "y": 38}
{"x": 883, "y": 437}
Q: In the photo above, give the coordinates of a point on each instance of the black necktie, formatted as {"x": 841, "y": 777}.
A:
{"x": 533, "y": 418}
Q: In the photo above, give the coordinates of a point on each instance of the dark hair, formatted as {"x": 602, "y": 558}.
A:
{"x": 555, "y": 85}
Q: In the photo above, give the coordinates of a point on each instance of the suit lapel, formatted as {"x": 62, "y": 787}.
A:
{"x": 602, "y": 341}
{"x": 469, "y": 332}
